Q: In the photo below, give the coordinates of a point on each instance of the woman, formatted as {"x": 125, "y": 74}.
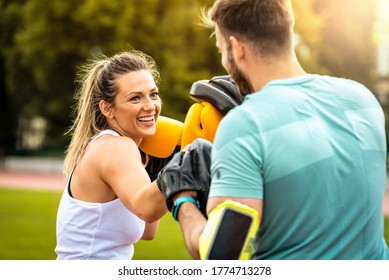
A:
{"x": 109, "y": 202}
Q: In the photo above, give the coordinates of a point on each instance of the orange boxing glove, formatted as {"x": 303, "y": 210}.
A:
{"x": 215, "y": 98}
{"x": 201, "y": 121}
{"x": 165, "y": 139}
{"x": 158, "y": 149}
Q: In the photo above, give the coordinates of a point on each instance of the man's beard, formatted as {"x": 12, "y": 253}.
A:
{"x": 243, "y": 84}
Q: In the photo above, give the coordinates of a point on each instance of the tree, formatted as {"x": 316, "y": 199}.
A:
{"x": 10, "y": 14}
{"x": 46, "y": 52}
{"x": 308, "y": 28}
{"x": 47, "y": 41}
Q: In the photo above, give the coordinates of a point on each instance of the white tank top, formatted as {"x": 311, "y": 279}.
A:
{"x": 86, "y": 230}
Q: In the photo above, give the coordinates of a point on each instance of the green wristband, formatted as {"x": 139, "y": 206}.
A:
{"x": 177, "y": 204}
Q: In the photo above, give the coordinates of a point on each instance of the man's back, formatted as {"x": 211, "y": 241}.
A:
{"x": 314, "y": 149}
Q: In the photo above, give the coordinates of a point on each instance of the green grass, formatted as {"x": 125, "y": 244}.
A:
{"x": 168, "y": 244}
{"x": 27, "y": 229}
{"x": 27, "y": 224}
{"x": 386, "y": 230}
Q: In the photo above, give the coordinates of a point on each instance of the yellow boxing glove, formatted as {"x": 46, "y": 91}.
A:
{"x": 215, "y": 98}
{"x": 201, "y": 121}
{"x": 158, "y": 149}
{"x": 165, "y": 140}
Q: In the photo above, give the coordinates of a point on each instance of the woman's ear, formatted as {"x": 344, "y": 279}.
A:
{"x": 105, "y": 108}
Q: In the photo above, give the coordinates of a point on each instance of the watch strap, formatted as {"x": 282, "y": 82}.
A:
{"x": 179, "y": 201}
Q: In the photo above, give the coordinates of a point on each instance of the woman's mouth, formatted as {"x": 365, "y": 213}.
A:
{"x": 146, "y": 119}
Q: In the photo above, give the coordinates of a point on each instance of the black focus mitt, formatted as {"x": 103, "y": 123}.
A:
{"x": 188, "y": 170}
{"x": 220, "y": 91}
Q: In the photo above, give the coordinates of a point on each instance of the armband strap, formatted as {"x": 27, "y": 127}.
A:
{"x": 229, "y": 232}
{"x": 178, "y": 202}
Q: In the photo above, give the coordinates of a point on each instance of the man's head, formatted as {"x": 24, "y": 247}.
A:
{"x": 265, "y": 26}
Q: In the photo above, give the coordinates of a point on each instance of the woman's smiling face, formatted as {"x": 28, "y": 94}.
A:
{"x": 137, "y": 105}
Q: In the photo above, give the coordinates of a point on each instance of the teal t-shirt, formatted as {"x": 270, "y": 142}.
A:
{"x": 314, "y": 149}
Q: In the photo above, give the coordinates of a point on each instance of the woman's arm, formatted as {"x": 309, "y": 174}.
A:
{"x": 122, "y": 169}
{"x": 150, "y": 230}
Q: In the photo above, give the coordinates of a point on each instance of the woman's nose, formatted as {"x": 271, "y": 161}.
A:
{"x": 149, "y": 104}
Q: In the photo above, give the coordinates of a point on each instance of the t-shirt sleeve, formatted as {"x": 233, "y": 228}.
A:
{"x": 236, "y": 167}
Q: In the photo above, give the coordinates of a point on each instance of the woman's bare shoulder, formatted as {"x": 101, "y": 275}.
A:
{"x": 111, "y": 143}
{"x": 115, "y": 151}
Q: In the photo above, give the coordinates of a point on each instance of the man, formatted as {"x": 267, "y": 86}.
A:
{"x": 307, "y": 152}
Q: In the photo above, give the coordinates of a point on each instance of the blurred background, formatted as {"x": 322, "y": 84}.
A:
{"x": 43, "y": 43}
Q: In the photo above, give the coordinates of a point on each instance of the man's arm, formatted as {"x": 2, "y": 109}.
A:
{"x": 251, "y": 202}
{"x": 192, "y": 222}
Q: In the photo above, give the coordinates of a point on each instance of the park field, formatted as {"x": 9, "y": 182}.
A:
{"x": 27, "y": 229}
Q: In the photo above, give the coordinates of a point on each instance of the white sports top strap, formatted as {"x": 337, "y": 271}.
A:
{"x": 105, "y": 132}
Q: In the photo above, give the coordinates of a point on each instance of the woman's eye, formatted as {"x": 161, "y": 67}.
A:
{"x": 135, "y": 98}
{"x": 154, "y": 95}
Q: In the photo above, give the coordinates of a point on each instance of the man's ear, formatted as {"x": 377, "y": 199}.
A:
{"x": 238, "y": 49}
{"x": 105, "y": 108}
